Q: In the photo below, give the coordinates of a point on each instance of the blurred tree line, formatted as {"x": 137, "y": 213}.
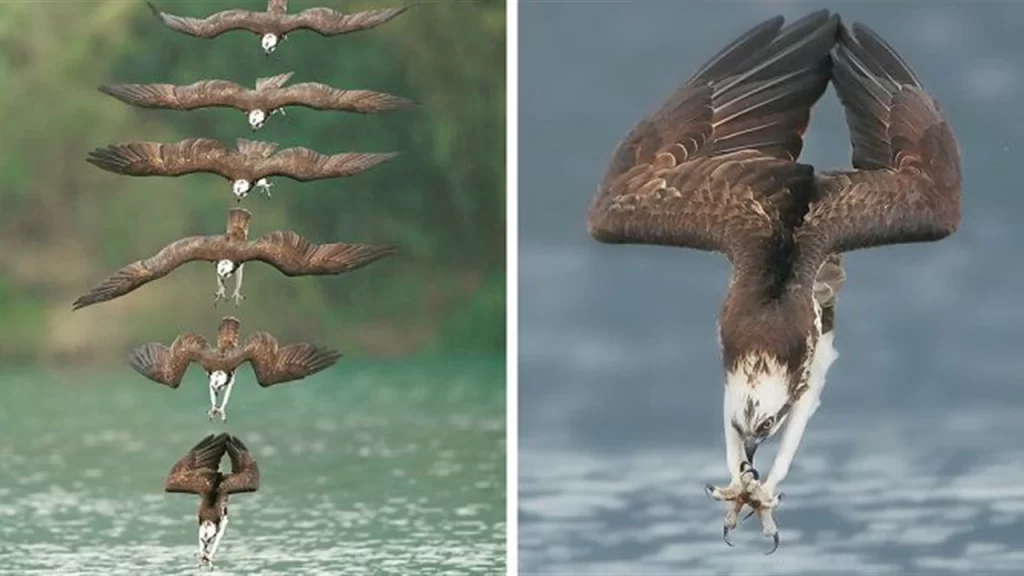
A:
{"x": 65, "y": 225}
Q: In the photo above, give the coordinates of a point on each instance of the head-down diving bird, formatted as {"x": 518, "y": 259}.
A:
{"x": 715, "y": 169}
{"x": 290, "y": 253}
{"x": 251, "y": 163}
{"x": 272, "y": 363}
{"x": 275, "y": 24}
{"x": 269, "y": 97}
{"x": 198, "y": 473}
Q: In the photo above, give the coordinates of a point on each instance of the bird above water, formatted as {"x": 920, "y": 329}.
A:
{"x": 198, "y": 472}
{"x": 248, "y": 165}
{"x": 290, "y": 253}
{"x": 274, "y": 25}
{"x": 715, "y": 169}
{"x": 269, "y": 97}
{"x": 271, "y": 362}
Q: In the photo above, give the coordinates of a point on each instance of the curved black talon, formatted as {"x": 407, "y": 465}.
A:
{"x": 725, "y": 535}
{"x": 749, "y": 514}
{"x": 710, "y": 491}
{"x": 747, "y": 466}
{"x": 775, "y": 544}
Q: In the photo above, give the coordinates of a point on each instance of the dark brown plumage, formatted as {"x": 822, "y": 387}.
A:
{"x": 715, "y": 169}
{"x": 290, "y": 253}
{"x": 271, "y": 363}
{"x": 251, "y": 161}
{"x": 275, "y": 21}
{"x": 270, "y": 95}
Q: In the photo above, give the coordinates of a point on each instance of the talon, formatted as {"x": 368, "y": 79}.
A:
{"x": 725, "y": 536}
{"x": 749, "y": 514}
{"x": 775, "y": 544}
{"x": 710, "y": 491}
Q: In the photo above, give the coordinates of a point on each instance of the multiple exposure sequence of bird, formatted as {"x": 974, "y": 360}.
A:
{"x": 249, "y": 164}
{"x": 716, "y": 168}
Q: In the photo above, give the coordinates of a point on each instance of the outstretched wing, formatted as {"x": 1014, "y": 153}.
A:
{"x": 323, "y": 97}
{"x": 167, "y": 364}
{"x": 274, "y": 364}
{"x": 905, "y": 186}
{"x": 245, "y": 473}
{"x": 188, "y": 97}
{"x": 327, "y": 22}
{"x": 158, "y": 159}
{"x": 715, "y": 167}
{"x": 303, "y": 164}
{"x": 293, "y": 255}
{"x": 209, "y": 27}
{"x": 194, "y": 473}
{"x": 138, "y": 273}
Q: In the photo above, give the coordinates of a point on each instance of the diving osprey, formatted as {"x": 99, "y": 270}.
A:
{"x": 290, "y": 253}
{"x": 198, "y": 473}
{"x": 268, "y": 98}
{"x": 273, "y": 25}
{"x": 272, "y": 363}
{"x": 251, "y": 163}
{"x": 716, "y": 169}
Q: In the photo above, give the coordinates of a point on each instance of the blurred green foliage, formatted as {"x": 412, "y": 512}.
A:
{"x": 65, "y": 225}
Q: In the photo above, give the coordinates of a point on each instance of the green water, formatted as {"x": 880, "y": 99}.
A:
{"x": 393, "y": 468}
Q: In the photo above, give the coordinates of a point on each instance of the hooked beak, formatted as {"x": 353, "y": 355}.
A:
{"x": 749, "y": 448}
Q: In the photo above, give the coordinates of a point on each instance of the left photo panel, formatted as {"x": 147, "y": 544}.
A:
{"x": 253, "y": 259}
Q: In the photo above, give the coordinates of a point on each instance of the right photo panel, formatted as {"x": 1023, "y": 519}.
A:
{"x": 770, "y": 315}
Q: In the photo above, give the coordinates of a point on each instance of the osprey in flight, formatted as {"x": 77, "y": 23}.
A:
{"x": 273, "y": 25}
{"x": 198, "y": 473}
{"x": 271, "y": 363}
{"x": 268, "y": 98}
{"x": 251, "y": 163}
{"x": 715, "y": 169}
{"x": 290, "y": 253}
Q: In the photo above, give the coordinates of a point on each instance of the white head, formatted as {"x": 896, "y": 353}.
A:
{"x": 240, "y": 188}
{"x": 269, "y": 42}
{"x": 225, "y": 268}
{"x": 257, "y": 118}
{"x": 207, "y": 531}
{"x": 757, "y": 400}
{"x": 219, "y": 379}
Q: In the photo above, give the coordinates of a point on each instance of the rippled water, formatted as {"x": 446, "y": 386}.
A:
{"x": 399, "y": 470}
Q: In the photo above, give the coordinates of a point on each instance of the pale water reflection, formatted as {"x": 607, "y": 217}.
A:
{"x": 400, "y": 471}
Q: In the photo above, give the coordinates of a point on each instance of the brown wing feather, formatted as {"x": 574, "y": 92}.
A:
{"x": 906, "y": 182}
{"x": 715, "y": 167}
{"x": 245, "y": 473}
{"x": 211, "y": 26}
{"x": 303, "y": 164}
{"x": 274, "y": 364}
{"x": 293, "y": 255}
{"x": 195, "y": 472}
{"x": 322, "y": 97}
{"x": 188, "y": 97}
{"x": 159, "y": 159}
{"x": 277, "y": 6}
{"x": 167, "y": 364}
{"x": 138, "y": 273}
{"x": 327, "y": 22}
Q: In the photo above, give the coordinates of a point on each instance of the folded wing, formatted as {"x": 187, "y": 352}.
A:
{"x": 905, "y": 186}
{"x": 188, "y": 97}
{"x": 160, "y": 159}
{"x": 245, "y": 473}
{"x": 714, "y": 167}
{"x": 168, "y": 364}
{"x": 274, "y": 364}
{"x": 293, "y": 255}
{"x": 195, "y": 472}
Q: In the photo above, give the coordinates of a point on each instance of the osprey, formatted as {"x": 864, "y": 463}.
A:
{"x": 198, "y": 473}
{"x": 290, "y": 253}
{"x": 251, "y": 163}
{"x": 268, "y": 98}
{"x": 271, "y": 363}
{"x": 273, "y": 25}
{"x": 715, "y": 169}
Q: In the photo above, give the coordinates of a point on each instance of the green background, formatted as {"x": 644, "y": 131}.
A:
{"x": 391, "y": 462}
